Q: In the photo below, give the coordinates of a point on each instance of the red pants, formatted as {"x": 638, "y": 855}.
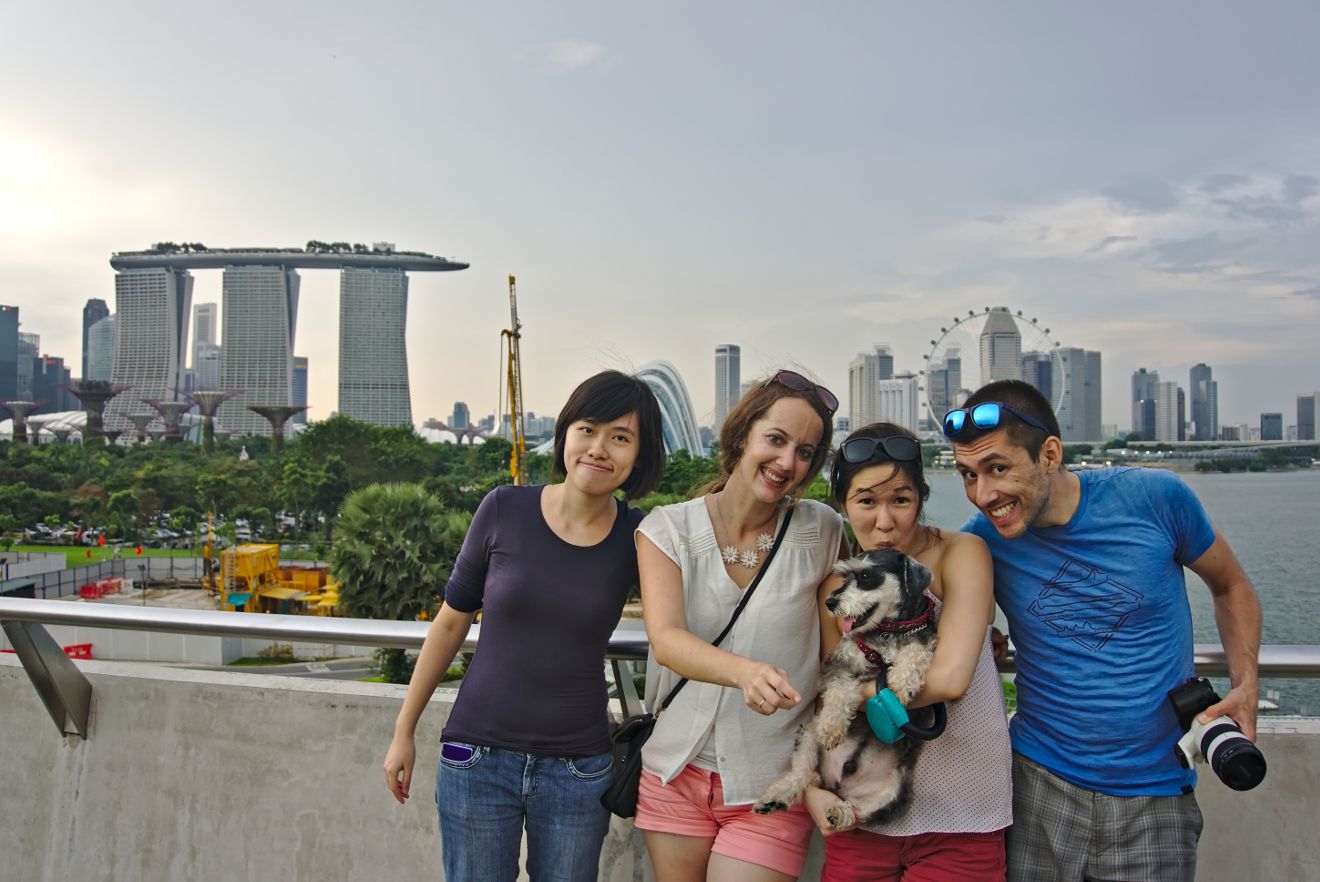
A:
{"x": 929, "y": 857}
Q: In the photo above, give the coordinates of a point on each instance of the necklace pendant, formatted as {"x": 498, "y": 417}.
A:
{"x": 765, "y": 542}
{"x": 749, "y": 559}
{"x": 730, "y": 554}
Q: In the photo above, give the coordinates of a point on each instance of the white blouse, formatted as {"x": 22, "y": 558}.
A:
{"x": 779, "y": 626}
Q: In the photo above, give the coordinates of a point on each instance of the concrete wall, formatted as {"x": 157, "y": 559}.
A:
{"x": 218, "y": 776}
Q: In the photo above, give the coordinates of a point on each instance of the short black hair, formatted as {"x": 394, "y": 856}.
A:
{"x": 1025, "y": 397}
{"x": 607, "y": 396}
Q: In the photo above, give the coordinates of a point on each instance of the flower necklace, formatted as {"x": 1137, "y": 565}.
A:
{"x": 747, "y": 557}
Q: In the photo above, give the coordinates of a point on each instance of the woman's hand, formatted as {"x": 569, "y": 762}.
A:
{"x": 399, "y": 766}
{"x": 766, "y": 688}
{"x": 818, "y": 802}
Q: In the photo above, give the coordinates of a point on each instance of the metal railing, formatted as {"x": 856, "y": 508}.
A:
{"x": 67, "y": 693}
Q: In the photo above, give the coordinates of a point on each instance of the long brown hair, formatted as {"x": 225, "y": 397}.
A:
{"x": 752, "y": 407}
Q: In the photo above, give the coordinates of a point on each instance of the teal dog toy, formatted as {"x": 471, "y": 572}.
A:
{"x": 886, "y": 715}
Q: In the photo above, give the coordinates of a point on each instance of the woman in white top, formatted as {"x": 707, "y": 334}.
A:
{"x": 962, "y": 787}
{"x": 730, "y": 731}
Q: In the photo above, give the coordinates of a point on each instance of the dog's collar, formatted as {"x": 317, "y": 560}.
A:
{"x": 901, "y": 626}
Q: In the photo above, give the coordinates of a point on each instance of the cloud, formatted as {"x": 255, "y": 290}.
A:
{"x": 1220, "y": 183}
{"x": 569, "y": 55}
{"x": 1111, "y": 240}
{"x": 1143, "y": 196}
{"x": 1312, "y": 293}
{"x": 1202, "y": 254}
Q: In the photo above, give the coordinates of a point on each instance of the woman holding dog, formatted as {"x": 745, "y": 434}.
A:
{"x": 962, "y": 786}
{"x": 729, "y": 733}
{"x": 527, "y": 744}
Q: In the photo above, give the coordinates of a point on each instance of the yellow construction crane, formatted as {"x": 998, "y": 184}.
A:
{"x": 517, "y": 426}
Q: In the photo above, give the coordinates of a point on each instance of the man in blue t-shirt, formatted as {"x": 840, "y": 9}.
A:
{"x": 1089, "y": 573}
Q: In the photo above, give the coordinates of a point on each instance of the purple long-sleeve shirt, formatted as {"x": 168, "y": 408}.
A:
{"x": 537, "y": 682}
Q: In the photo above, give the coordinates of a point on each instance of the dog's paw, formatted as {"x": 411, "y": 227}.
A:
{"x": 841, "y": 816}
{"x": 769, "y": 806}
{"x": 829, "y": 738}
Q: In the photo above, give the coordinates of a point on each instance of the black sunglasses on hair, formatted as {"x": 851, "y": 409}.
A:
{"x": 984, "y": 416}
{"x": 894, "y": 447}
{"x": 799, "y": 383}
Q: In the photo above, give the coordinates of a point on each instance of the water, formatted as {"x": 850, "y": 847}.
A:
{"x": 1272, "y": 522}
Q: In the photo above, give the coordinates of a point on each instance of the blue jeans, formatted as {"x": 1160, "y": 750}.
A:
{"x": 485, "y": 799}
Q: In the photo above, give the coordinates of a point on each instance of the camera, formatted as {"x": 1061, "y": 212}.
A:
{"x": 1233, "y": 756}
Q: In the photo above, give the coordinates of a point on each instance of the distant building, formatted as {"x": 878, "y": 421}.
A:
{"x": 152, "y": 307}
{"x": 678, "y": 424}
{"x": 944, "y": 386}
{"x": 899, "y": 402}
{"x": 260, "y": 316}
{"x": 207, "y": 361}
{"x": 1079, "y": 406}
{"x": 49, "y": 377}
{"x": 373, "y": 355}
{"x": 1169, "y": 418}
{"x": 8, "y": 353}
{"x": 1307, "y": 406}
{"x": 1001, "y": 347}
{"x": 206, "y": 322}
{"x": 29, "y": 350}
{"x": 93, "y": 311}
{"x": 865, "y": 373}
{"x": 1271, "y": 427}
{"x": 100, "y": 361}
{"x": 1144, "y": 383}
{"x": 461, "y": 417}
{"x": 1038, "y": 370}
{"x": 728, "y": 380}
{"x": 1204, "y": 392}
{"x": 299, "y": 389}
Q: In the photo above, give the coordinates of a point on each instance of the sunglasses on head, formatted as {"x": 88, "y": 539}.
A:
{"x": 894, "y": 447}
{"x": 798, "y": 383}
{"x": 984, "y": 416}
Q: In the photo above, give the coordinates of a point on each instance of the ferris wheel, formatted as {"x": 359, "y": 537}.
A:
{"x": 996, "y": 343}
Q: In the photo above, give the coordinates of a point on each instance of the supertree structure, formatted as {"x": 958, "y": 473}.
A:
{"x": 208, "y": 401}
{"x": 140, "y": 422}
{"x": 277, "y": 415}
{"x": 19, "y": 411}
{"x": 171, "y": 412}
{"x": 95, "y": 395}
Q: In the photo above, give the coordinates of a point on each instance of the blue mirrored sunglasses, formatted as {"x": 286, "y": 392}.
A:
{"x": 984, "y": 416}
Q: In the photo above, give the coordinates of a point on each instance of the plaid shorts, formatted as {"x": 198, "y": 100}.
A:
{"x": 1065, "y": 833}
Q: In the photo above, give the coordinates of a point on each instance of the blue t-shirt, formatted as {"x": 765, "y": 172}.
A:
{"x": 1098, "y": 612}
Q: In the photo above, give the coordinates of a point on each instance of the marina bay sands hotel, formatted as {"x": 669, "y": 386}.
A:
{"x": 259, "y": 313}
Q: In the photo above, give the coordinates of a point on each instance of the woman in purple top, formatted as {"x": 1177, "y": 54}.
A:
{"x": 527, "y": 742}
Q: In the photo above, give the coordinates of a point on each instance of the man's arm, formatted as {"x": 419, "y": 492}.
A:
{"x": 1237, "y": 615}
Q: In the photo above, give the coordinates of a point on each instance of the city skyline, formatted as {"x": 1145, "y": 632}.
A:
{"x": 1162, "y": 213}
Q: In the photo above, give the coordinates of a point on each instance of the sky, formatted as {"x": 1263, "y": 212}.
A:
{"x": 804, "y": 181}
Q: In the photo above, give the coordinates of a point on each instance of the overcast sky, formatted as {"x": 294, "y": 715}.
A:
{"x": 803, "y": 180}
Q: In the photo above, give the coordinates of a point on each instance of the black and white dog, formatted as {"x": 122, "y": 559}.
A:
{"x": 889, "y": 631}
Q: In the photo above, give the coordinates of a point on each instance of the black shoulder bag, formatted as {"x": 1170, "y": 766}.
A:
{"x": 621, "y": 798}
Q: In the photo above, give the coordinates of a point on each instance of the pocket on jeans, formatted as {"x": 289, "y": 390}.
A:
{"x": 460, "y": 754}
{"x": 590, "y": 768}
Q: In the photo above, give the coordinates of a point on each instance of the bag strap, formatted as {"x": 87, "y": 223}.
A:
{"x": 746, "y": 596}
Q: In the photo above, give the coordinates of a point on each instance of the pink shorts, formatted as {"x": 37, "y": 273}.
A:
{"x": 693, "y": 805}
{"x": 862, "y": 856}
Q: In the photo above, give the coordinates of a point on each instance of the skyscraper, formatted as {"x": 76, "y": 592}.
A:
{"x": 1001, "y": 347}
{"x": 8, "y": 353}
{"x": 864, "y": 375}
{"x": 1144, "y": 384}
{"x": 1168, "y": 412}
{"x": 1204, "y": 392}
{"x": 944, "y": 383}
{"x": 461, "y": 418}
{"x": 299, "y": 389}
{"x": 1038, "y": 370}
{"x": 1307, "y": 406}
{"x": 260, "y": 315}
{"x": 100, "y": 350}
{"x": 1079, "y": 406}
{"x": 373, "y": 355}
{"x": 29, "y": 350}
{"x": 94, "y": 310}
{"x": 152, "y": 306}
{"x": 49, "y": 377}
{"x": 205, "y": 322}
{"x": 207, "y": 358}
{"x": 1271, "y": 427}
{"x": 897, "y": 401}
{"x": 728, "y": 380}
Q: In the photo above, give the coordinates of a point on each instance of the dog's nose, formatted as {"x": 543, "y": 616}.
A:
{"x": 831, "y": 602}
